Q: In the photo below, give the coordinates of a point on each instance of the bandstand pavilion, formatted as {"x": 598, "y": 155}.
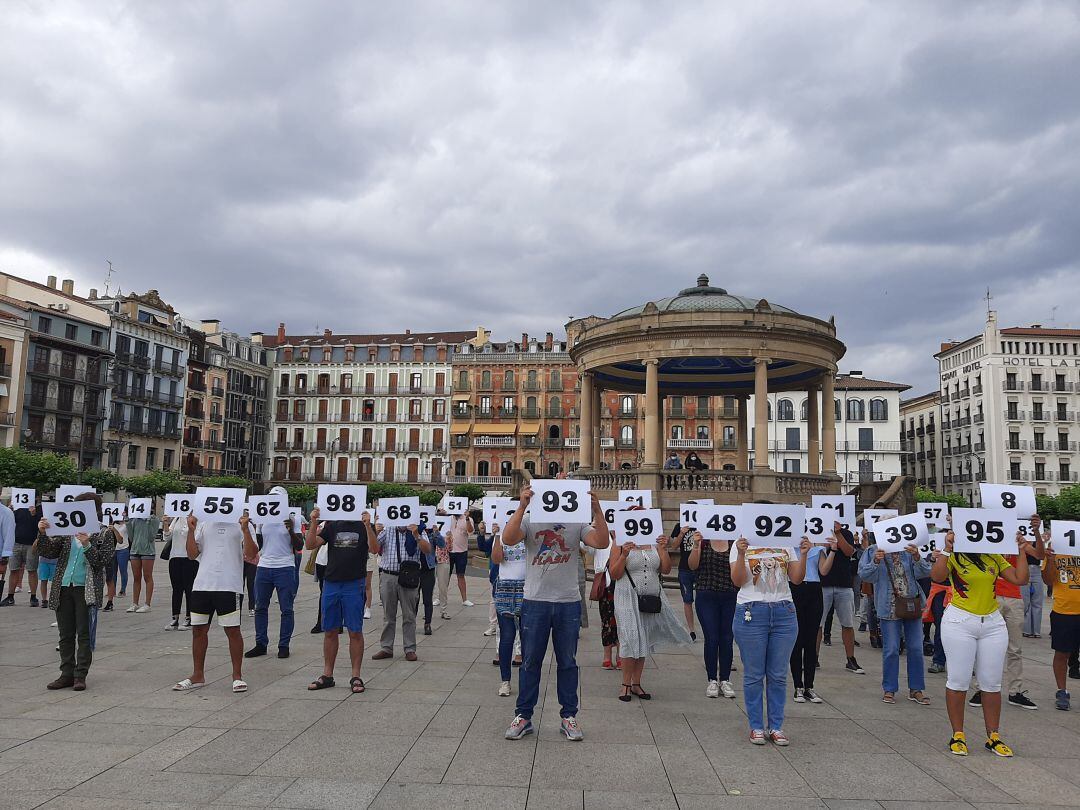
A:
{"x": 706, "y": 341}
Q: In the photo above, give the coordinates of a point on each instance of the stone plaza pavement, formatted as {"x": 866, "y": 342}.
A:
{"x": 429, "y": 734}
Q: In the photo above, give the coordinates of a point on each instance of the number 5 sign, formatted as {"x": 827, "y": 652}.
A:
{"x": 896, "y": 534}
{"x": 560, "y": 501}
{"x": 641, "y": 527}
{"x": 70, "y": 517}
{"x": 984, "y": 531}
{"x": 218, "y": 504}
{"x": 399, "y": 511}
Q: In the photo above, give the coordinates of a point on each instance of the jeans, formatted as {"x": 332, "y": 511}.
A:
{"x": 559, "y": 621}
{"x": 120, "y": 565}
{"x": 296, "y": 568}
{"x": 182, "y": 573}
{"x": 765, "y": 644}
{"x": 267, "y": 580}
{"x": 890, "y": 654}
{"x": 508, "y": 628}
{"x": 73, "y": 624}
{"x": 1034, "y": 593}
{"x": 937, "y": 609}
{"x": 715, "y": 611}
{"x": 427, "y": 591}
{"x": 808, "y": 608}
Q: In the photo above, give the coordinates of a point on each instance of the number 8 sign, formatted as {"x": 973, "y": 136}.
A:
{"x": 560, "y": 501}
{"x": 640, "y": 526}
{"x": 399, "y": 511}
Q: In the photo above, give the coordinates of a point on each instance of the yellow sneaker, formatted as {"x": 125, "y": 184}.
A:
{"x": 958, "y": 745}
{"x": 996, "y": 746}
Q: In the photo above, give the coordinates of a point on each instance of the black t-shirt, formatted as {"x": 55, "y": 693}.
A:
{"x": 839, "y": 575}
{"x": 347, "y": 550}
{"x": 26, "y": 530}
{"x": 685, "y": 547}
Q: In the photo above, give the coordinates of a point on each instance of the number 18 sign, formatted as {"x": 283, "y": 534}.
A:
{"x": 641, "y": 527}
{"x": 558, "y": 500}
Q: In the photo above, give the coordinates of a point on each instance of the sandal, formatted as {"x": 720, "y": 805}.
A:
{"x": 625, "y": 697}
{"x": 640, "y": 693}
{"x": 322, "y": 682}
{"x": 918, "y": 697}
{"x": 239, "y": 686}
{"x": 357, "y": 685}
{"x": 187, "y": 685}
{"x": 888, "y": 697}
{"x": 607, "y": 664}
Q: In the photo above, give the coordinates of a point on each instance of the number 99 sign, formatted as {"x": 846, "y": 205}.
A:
{"x": 896, "y": 534}
{"x": 641, "y": 527}
{"x": 773, "y": 525}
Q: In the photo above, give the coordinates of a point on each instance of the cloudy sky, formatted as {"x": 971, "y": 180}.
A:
{"x": 376, "y": 166}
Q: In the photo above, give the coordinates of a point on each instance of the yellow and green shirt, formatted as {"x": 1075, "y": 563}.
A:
{"x": 973, "y": 587}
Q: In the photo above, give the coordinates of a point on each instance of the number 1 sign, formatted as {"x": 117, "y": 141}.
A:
{"x": 1065, "y": 537}
{"x": 641, "y": 527}
{"x": 560, "y": 501}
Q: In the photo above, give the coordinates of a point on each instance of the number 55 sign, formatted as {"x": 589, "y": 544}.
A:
{"x": 218, "y": 504}
{"x": 71, "y": 517}
{"x": 560, "y": 501}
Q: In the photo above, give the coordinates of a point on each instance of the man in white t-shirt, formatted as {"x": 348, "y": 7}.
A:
{"x": 220, "y": 549}
{"x": 275, "y": 573}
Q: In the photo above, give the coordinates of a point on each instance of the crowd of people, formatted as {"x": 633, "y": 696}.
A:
{"x": 968, "y": 613}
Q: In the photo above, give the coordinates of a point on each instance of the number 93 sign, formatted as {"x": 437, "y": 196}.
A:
{"x": 560, "y": 501}
{"x": 984, "y": 531}
{"x": 896, "y": 534}
{"x": 642, "y": 527}
{"x": 70, "y": 517}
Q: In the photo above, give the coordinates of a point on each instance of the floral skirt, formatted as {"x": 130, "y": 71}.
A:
{"x": 609, "y": 631}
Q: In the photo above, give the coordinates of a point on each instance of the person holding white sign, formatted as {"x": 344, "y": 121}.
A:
{"x": 182, "y": 572}
{"x": 716, "y": 596}
{"x": 508, "y": 596}
{"x": 275, "y": 573}
{"x": 551, "y": 608}
{"x": 142, "y": 532}
{"x": 78, "y": 588}
{"x": 23, "y": 555}
{"x": 220, "y": 549}
{"x": 457, "y": 532}
{"x": 645, "y": 619}
{"x": 399, "y": 549}
{"x": 898, "y": 600}
{"x": 765, "y": 629}
{"x": 1062, "y": 573}
{"x": 809, "y": 609}
{"x": 974, "y": 635}
{"x": 838, "y": 595}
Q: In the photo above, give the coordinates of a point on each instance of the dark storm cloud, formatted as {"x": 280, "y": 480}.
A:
{"x": 382, "y": 166}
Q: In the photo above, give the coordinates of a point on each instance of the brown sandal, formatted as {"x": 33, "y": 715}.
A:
{"x": 357, "y": 685}
{"x": 918, "y": 697}
{"x": 888, "y": 697}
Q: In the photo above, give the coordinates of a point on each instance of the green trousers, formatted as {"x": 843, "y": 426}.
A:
{"x": 73, "y": 622}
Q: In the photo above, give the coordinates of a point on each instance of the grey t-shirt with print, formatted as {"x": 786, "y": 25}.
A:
{"x": 551, "y": 574}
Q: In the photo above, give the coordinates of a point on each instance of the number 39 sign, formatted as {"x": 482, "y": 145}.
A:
{"x": 560, "y": 501}
{"x": 641, "y": 527}
{"x": 896, "y": 534}
{"x": 71, "y": 517}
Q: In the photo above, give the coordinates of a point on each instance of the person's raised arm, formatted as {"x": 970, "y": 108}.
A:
{"x": 740, "y": 573}
{"x": 826, "y": 558}
{"x": 497, "y": 555}
{"x": 662, "y": 552}
{"x": 192, "y": 547}
{"x": 1019, "y": 573}
{"x": 617, "y": 560}
{"x": 251, "y": 548}
{"x": 421, "y": 541}
{"x": 313, "y": 541}
{"x": 372, "y": 538}
{"x": 512, "y": 532}
{"x": 796, "y": 569}
{"x": 841, "y": 541}
{"x": 1038, "y": 550}
{"x": 694, "y": 560}
{"x": 1050, "y": 569}
{"x": 597, "y": 536}
{"x": 939, "y": 571}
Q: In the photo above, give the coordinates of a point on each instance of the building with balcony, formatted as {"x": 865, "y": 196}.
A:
{"x": 204, "y": 407}
{"x": 65, "y": 370}
{"x": 361, "y": 407}
{"x": 919, "y": 439}
{"x": 1009, "y": 404}
{"x": 148, "y": 375}
{"x": 14, "y": 318}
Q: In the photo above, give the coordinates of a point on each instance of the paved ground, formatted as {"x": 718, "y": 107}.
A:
{"x": 430, "y": 733}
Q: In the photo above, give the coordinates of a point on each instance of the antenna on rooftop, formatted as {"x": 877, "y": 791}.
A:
{"x": 989, "y": 298}
{"x": 108, "y": 277}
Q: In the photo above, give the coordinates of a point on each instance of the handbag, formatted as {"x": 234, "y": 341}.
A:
{"x": 646, "y": 602}
{"x": 904, "y": 607}
{"x": 166, "y": 552}
{"x": 408, "y": 571}
{"x": 599, "y": 585}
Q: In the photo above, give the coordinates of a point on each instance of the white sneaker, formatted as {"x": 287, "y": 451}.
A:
{"x": 173, "y": 625}
{"x": 713, "y": 689}
{"x": 435, "y": 602}
{"x": 54, "y": 625}
{"x": 799, "y": 697}
{"x": 490, "y": 632}
{"x": 504, "y": 689}
{"x": 132, "y": 608}
{"x": 184, "y": 627}
{"x": 811, "y": 695}
{"x": 445, "y": 615}
{"x": 143, "y": 609}
{"x": 727, "y": 690}
{"x": 367, "y": 613}
{"x": 467, "y": 603}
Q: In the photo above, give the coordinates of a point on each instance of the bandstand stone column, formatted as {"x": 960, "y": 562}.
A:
{"x": 585, "y": 407}
{"x": 813, "y": 444}
{"x": 742, "y": 434}
{"x": 761, "y": 413}
{"x": 597, "y": 424}
{"x": 828, "y": 423}
{"x": 652, "y": 414}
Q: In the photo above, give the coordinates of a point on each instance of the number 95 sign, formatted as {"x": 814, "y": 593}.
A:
{"x": 641, "y": 527}
{"x": 984, "y": 531}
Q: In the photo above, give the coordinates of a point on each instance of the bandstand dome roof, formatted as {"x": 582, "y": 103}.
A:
{"x": 703, "y": 298}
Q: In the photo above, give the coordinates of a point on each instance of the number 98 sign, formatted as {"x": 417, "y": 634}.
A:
{"x": 641, "y": 527}
{"x": 341, "y": 501}
{"x": 560, "y": 501}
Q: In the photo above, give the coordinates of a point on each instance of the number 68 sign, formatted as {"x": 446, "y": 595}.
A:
{"x": 641, "y": 527}
{"x": 399, "y": 511}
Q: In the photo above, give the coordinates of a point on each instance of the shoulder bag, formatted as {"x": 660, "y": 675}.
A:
{"x": 599, "y": 585}
{"x": 408, "y": 570}
{"x": 646, "y": 602}
{"x": 904, "y": 607}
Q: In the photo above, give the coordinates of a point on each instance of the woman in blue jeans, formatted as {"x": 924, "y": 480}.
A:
{"x": 895, "y": 576}
{"x": 716, "y": 595}
{"x": 765, "y": 628}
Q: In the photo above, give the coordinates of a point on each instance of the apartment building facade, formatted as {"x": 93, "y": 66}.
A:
{"x": 204, "y": 408}
{"x": 918, "y": 438}
{"x": 13, "y": 345}
{"x": 367, "y": 407}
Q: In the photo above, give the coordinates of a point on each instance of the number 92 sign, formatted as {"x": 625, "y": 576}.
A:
{"x": 641, "y": 527}
{"x": 560, "y": 501}
{"x": 70, "y": 517}
{"x": 984, "y": 531}
{"x": 773, "y": 525}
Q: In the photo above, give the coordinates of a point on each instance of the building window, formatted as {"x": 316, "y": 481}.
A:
{"x": 508, "y": 380}
{"x": 485, "y": 380}
{"x": 463, "y": 380}
{"x": 151, "y": 457}
{"x": 626, "y": 406}
{"x": 1063, "y": 471}
{"x": 556, "y": 380}
{"x": 729, "y": 436}
{"x": 785, "y": 411}
{"x": 44, "y": 324}
{"x": 836, "y": 410}
{"x": 1040, "y": 470}
{"x": 1014, "y": 470}
{"x": 802, "y": 411}
{"x": 133, "y": 457}
{"x": 703, "y": 431}
{"x": 792, "y": 465}
{"x": 626, "y": 435}
{"x": 856, "y": 412}
{"x": 676, "y": 432}
{"x": 167, "y": 462}
{"x": 415, "y": 382}
{"x": 71, "y": 331}
{"x": 866, "y": 440}
{"x": 879, "y": 410}
{"x": 485, "y": 405}
{"x": 793, "y": 439}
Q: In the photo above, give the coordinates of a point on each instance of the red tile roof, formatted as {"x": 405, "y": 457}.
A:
{"x": 1041, "y": 332}
{"x": 846, "y": 383}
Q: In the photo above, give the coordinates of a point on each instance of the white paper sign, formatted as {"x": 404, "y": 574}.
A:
{"x": 218, "y": 504}
{"x": 497, "y": 511}
{"x": 640, "y": 526}
{"x": 984, "y": 531}
{"x": 1023, "y": 528}
{"x": 341, "y": 501}
{"x": 611, "y": 508}
{"x": 770, "y": 525}
{"x": 296, "y": 515}
{"x": 934, "y": 513}
{"x": 819, "y": 524}
{"x": 936, "y": 541}
{"x": 70, "y": 517}
{"x": 896, "y": 534}
{"x": 112, "y": 512}
{"x": 557, "y": 500}
{"x": 1012, "y": 499}
{"x": 640, "y": 497}
{"x": 140, "y": 508}
{"x": 692, "y": 514}
{"x": 178, "y": 505}
{"x": 66, "y": 492}
{"x": 843, "y": 504}
{"x": 399, "y": 511}
{"x": 872, "y": 516}
{"x": 720, "y": 522}
{"x": 22, "y": 498}
{"x": 1065, "y": 537}
{"x": 268, "y": 508}
{"x": 454, "y": 504}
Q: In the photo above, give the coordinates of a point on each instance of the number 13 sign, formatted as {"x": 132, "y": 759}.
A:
{"x": 560, "y": 501}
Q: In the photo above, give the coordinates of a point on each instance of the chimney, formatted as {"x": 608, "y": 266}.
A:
{"x": 93, "y": 294}
{"x": 68, "y": 286}
{"x": 281, "y": 333}
{"x": 257, "y": 338}
{"x": 524, "y": 339}
{"x": 327, "y": 334}
{"x": 408, "y": 331}
{"x": 855, "y": 373}
{"x": 549, "y": 341}
{"x": 52, "y": 282}
{"x": 1036, "y": 326}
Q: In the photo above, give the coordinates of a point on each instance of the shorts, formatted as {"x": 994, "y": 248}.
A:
{"x": 46, "y": 569}
{"x": 204, "y": 604}
{"x": 459, "y": 561}
{"x": 842, "y": 601}
{"x": 343, "y": 605}
{"x": 23, "y": 557}
{"x": 687, "y": 579}
{"x": 144, "y": 556}
{"x": 1064, "y": 632}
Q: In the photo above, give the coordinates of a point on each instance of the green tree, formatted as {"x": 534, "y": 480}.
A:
{"x": 41, "y": 471}
{"x": 226, "y": 481}
{"x": 156, "y": 484}
{"x": 954, "y": 500}
{"x": 1048, "y": 507}
{"x": 1068, "y": 504}
{"x": 430, "y": 497}
{"x": 470, "y": 491}
{"x": 103, "y": 480}
{"x": 301, "y": 494}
